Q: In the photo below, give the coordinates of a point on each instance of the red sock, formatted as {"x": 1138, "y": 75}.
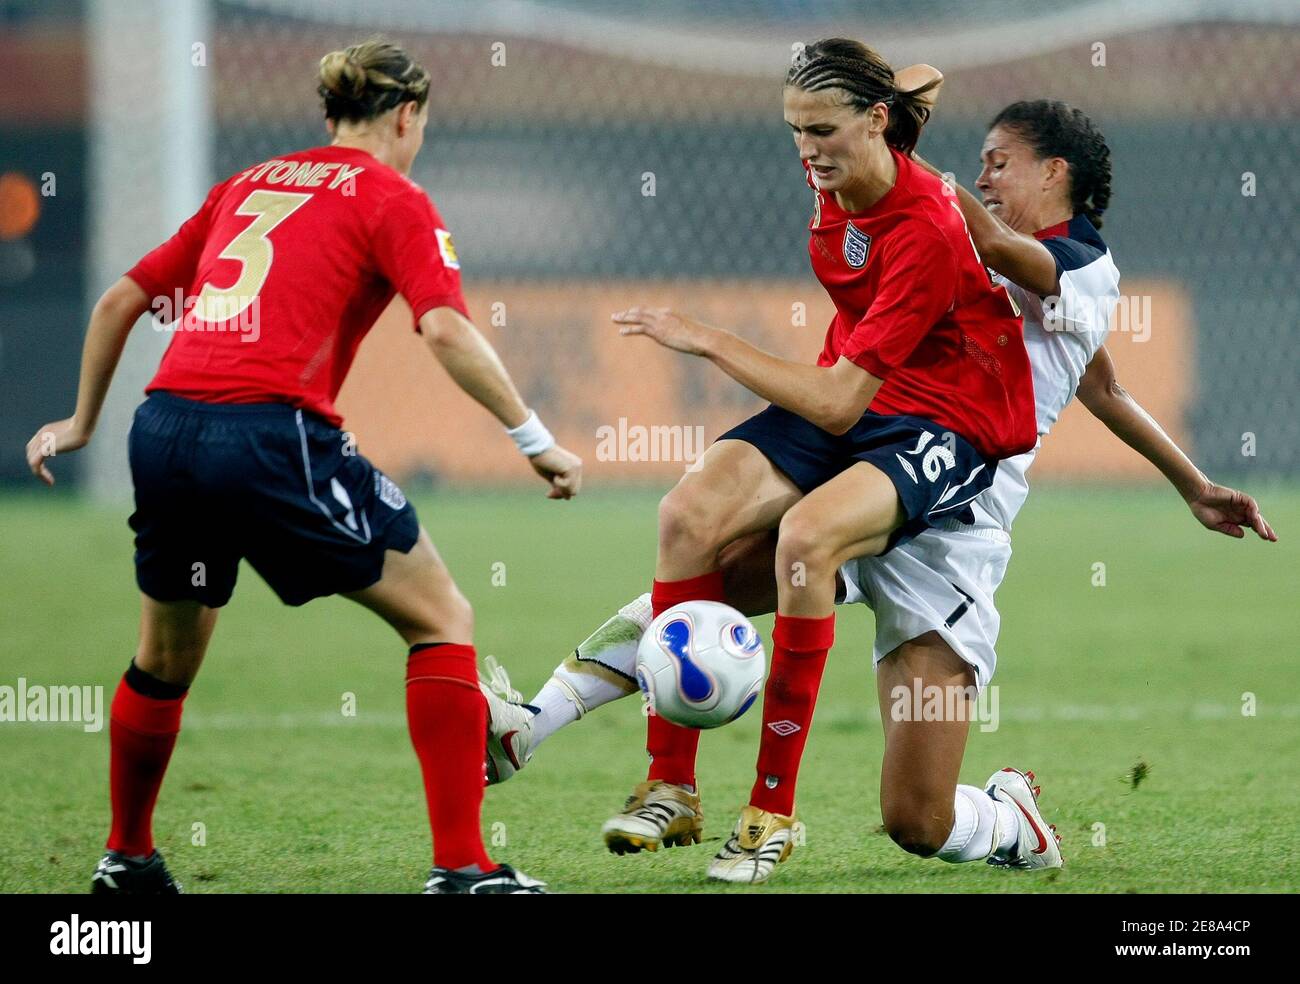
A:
{"x": 447, "y": 717}
{"x": 671, "y": 747}
{"x": 142, "y": 732}
{"x": 799, "y": 648}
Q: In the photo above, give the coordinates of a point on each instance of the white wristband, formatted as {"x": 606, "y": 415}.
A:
{"x": 531, "y": 437}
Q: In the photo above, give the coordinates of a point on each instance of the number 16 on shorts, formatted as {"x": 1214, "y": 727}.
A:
{"x": 934, "y": 458}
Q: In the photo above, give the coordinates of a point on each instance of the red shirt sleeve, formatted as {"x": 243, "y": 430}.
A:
{"x": 416, "y": 255}
{"x": 172, "y": 265}
{"x": 918, "y": 287}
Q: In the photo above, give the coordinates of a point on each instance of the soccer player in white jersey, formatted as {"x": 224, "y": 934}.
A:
{"x": 1045, "y": 182}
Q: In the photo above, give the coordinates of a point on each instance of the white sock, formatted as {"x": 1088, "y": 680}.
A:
{"x": 976, "y": 816}
{"x": 555, "y": 709}
{"x": 601, "y": 669}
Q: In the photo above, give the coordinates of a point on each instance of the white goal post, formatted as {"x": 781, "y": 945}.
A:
{"x": 150, "y": 163}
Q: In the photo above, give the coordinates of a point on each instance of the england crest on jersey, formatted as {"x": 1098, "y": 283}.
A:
{"x": 856, "y": 246}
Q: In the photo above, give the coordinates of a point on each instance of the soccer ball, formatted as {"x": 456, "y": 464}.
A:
{"x": 700, "y": 664}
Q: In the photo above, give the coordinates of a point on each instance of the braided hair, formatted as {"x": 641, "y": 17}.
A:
{"x": 1055, "y": 129}
{"x": 866, "y": 79}
{"x": 365, "y": 80}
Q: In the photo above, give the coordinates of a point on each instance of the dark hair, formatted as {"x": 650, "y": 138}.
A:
{"x": 867, "y": 79}
{"x": 1054, "y": 129}
{"x": 367, "y": 79}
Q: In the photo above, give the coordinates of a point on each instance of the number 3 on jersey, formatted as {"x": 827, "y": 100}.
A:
{"x": 252, "y": 248}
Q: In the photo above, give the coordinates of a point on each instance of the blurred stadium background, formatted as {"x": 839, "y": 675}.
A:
{"x": 589, "y": 155}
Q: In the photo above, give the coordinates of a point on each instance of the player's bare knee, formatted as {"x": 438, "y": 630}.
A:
{"x": 803, "y": 546}
{"x": 685, "y": 527}
{"x": 915, "y": 842}
{"x": 915, "y": 832}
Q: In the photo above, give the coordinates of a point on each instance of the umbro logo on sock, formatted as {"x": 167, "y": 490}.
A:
{"x": 784, "y": 728}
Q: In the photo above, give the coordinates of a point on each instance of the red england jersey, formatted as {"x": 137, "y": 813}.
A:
{"x": 915, "y": 307}
{"x": 281, "y": 273}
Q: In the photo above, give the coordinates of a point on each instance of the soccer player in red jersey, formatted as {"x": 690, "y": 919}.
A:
{"x": 237, "y": 453}
{"x": 1046, "y": 181}
{"x": 922, "y": 386}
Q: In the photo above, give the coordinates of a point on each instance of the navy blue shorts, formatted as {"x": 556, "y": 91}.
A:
{"x": 936, "y": 471}
{"x": 218, "y": 482}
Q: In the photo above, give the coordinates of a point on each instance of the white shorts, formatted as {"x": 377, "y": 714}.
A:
{"x": 941, "y": 581}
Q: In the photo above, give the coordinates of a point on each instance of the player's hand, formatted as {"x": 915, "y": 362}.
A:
{"x": 55, "y": 438}
{"x": 1227, "y": 511}
{"x": 562, "y": 468}
{"x": 666, "y": 327}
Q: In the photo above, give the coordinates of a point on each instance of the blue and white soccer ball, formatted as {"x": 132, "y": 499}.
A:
{"x": 701, "y": 664}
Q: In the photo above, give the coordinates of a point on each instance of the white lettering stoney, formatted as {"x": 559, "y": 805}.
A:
{"x": 302, "y": 174}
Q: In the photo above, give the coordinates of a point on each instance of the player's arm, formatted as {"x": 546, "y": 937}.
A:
{"x": 110, "y": 322}
{"x": 832, "y": 397}
{"x": 918, "y": 276}
{"x": 168, "y": 268}
{"x": 473, "y": 363}
{"x": 1216, "y": 507}
{"x": 1021, "y": 259}
{"x": 415, "y": 253}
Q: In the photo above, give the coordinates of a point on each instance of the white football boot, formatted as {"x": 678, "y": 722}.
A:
{"x": 760, "y": 842}
{"x": 657, "y": 813}
{"x": 1039, "y": 843}
{"x": 510, "y": 724}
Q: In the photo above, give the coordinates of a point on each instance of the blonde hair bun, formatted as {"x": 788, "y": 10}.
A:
{"x": 365, "y": 80}
{"x": 343, "y": 75}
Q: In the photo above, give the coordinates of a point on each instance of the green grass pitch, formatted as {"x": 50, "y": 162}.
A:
{"x": 294, "y": 796}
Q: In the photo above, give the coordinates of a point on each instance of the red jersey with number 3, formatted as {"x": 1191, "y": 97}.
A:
{"x": 915, "y": 307}
{"x": 283, "y": 271}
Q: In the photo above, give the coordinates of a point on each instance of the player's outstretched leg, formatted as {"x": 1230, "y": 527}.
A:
{"x": 144, "y": 721}
{"x": 602, "y": 668}
{"x": 446, "y": 714}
